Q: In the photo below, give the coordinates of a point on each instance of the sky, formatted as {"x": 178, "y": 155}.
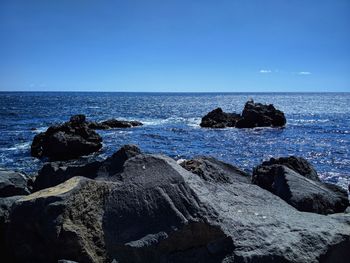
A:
{"x": 175, "y": 45}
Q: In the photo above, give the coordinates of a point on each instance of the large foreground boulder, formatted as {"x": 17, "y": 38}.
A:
{"x": 156, "y": 211}
{"x": 14, "y": 183}
{"x": 296, "y": 182}
{"x": 66, "y": 141}
{"x": 253, "y": 115}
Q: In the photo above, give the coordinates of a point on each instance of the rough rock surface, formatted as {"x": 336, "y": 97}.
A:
{"x": 60, "y": 222}
{"x": 219, "y": 119}
{"x": 211, "y": 169}
{"x": 300, "y": 191}
{"x": 54, "y": 173}
{"x": 113, "y": 123}
{"x": 156, "y": 211}
{"x": 298, "y": 164}
{"x": 69, "y": 140}
{"x": 13, "y": 183}
{"x": 253, "y": 115}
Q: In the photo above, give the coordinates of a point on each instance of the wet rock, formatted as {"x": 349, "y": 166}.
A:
{"x": 113, "y": 123}
{"x": 260, "y": 115}
{"x": 66, "y": 141}
{"x": 299, "y": 191}
{"x": 253, "y": 115}
{"x": 54, "y": 173}
{"x": 211, "y": 169}
{"x": 219, "y": 119}
{"x": 13, "y": 183}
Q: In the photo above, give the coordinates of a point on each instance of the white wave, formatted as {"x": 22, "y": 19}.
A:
{"x": 19, "y": 146}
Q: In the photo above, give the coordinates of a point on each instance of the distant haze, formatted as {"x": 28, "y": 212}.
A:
{"x": 175, "y": 45}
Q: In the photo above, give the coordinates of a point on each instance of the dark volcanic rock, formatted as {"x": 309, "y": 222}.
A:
{"x": 253, "y": 115}
{"x": 298, "y": 164}
{"x": 299, "y": 191}
{"x": 260, "y": 115}
{"x": 5, "y": 209}
{"x": 54, "y": 173}
{"x": 211, "y": 169}
{"x": 113, "y": 123}
{"x": 66, "y": 141}
{"x": 219, "y": 119}
{"x": 13, "y": 183}
{"x": 159, "y": 212}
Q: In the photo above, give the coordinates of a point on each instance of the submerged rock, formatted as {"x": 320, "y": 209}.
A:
{"x": 253, "y": 115}
{"x": 14, "y": 183}
{"x": 302, "y": 190}
{"x": 69, "y": 140}
{"x": 156, "y": 211}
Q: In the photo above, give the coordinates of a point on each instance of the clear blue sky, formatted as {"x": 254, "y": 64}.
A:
{"x": 175, "y": 45}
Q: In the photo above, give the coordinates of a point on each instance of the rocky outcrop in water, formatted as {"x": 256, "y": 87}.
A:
{"x": 113, "y": 123}
{"x": 137, "y": 207}
{"x": 69, "y": 140}
{"x": 296, "y": 182}
{"x": 253, "y": 115}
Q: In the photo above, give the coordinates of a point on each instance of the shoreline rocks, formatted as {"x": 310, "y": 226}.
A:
{"x": 14, "y": 183}
{"x": 136, "y": 207}
{"x": 253, "y": 115}
{"x": 296, "y": 182}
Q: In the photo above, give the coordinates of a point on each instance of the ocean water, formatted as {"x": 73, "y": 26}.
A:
{"x": 318, "y": 127}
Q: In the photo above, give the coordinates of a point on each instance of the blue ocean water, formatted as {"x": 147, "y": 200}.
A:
{"x": 318, "y": 127}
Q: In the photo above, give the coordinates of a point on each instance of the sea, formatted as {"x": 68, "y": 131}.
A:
{"x": 318, "y": 127}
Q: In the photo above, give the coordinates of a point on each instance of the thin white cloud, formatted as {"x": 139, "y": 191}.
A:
{"x": 304, "y": 73}
{"x": 265, "y": 71}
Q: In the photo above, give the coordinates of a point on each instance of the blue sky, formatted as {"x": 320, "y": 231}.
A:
{"x": 175, "y": 45}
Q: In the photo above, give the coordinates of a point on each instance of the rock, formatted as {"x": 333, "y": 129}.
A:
{"x": 60, "y": 222}
{"x": 54, "y": 173}
{"x": 13, "y": 183}
{"x": 260, "y": 115}
{"x": 299, "y": 191}
{"x": 5, "y": 208}
{"x": 253, "y": 115}
{"x": 298, "y": 164}
{"x": 66, "y": 141}
{"x": 66, "y": 261}
{"x": 156, "y": 211}
{"x": 219, "y": 119}
{"x": 211, "y": 169}
{"x": 113, "y": 123}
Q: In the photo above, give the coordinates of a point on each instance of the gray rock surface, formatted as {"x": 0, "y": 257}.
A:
{"x": 211, "y": 169}
{"x": 299, "y": 191}
{"x": 13, "y": 183}
{"x": 156, "y": 211}
{"x": 54, "y": 173}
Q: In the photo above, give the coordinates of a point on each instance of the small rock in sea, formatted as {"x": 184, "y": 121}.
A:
{"x": 253, "y": 115}
{"x": 113, "y": 123}
{"x": 294, "y": 180}
{"x": 69, "y": 140}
